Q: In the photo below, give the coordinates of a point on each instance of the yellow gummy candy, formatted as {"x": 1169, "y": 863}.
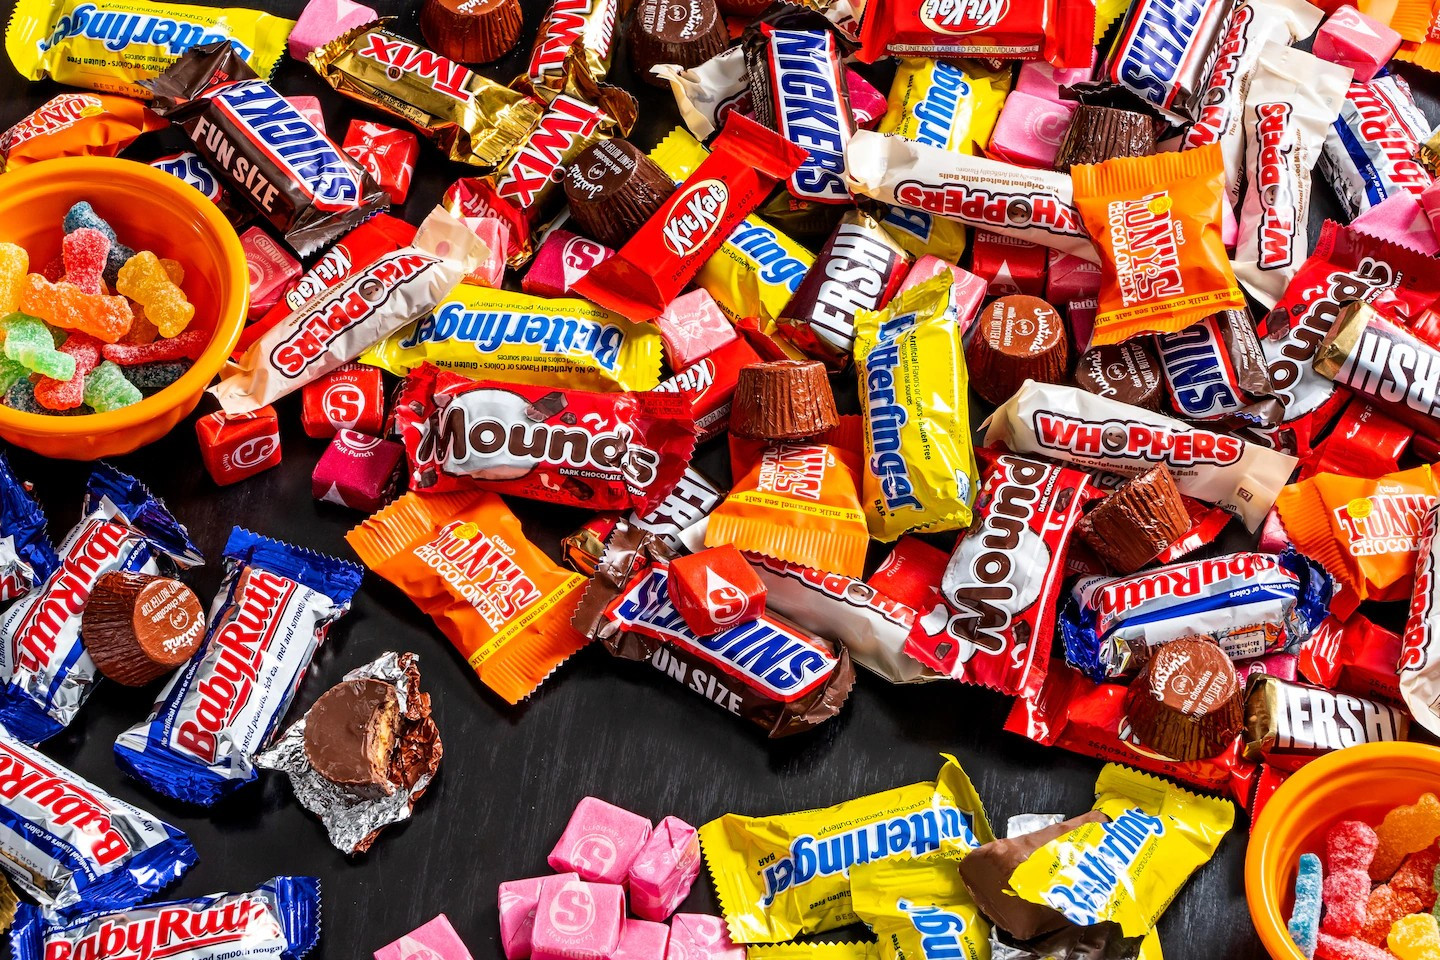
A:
{"x": 1416, "y": 937}
{"x": 14, "y": 264}
{"x": 145, "y": 280}
{"x": 1405, "y": 830}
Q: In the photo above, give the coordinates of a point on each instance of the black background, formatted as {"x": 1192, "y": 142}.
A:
{"x": 616, "y": 730}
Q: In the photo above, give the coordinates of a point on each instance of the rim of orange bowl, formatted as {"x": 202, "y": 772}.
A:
{"x": 1297, "y": 784}
{"x": 230, "y": 312}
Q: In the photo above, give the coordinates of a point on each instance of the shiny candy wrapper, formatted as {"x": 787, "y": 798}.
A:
{"x": 1289, "y": 724}
{"x": 369, "y": 305}
{"x": 468, "y": 118}
{"x": 919, "y": 908}
{"x": 1248, "y": 603}
{"x": 274, "y": 608}
{"x": 279, "y": 920}
{"x": 1369, "y": 151}
{"x": 688, "y": 504}
{"x": 68, "y": 844}
{"x": 591, "y": 22}
{"x": 47, "y": 674}
{"x": 295, "y": 175}
{"x": 26, "y": 557}
{"x": 1056, "y": 31}
{"x": 1388, "y": 365}
{"x": 76, "y": 124}
{"x": 115, "y": 45}
{"x": 707, "y": 92}
{"x": 1163, "y": 53}
{"x": 1069, "y": 424}
{"x": 352, "y": 819}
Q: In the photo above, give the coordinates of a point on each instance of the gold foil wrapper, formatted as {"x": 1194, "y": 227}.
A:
{"x": 8, "y": 903}
{"x": 470, "y": 118}
{"x": 1428, "y": 153}
{"x": 589, "y": 24}
{"x": 1342, "y": 339}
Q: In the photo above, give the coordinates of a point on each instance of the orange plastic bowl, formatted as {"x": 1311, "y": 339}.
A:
{"x": 150, "y": 210}
{"x": 1358, "y": 783}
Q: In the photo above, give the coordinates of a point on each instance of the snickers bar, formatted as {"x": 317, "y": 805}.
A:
{"x": 1289, "y": 724}
{"x": 806, "y": 83}
{"x": 1164, "y": 52}
{"x": 1215, "y": 370}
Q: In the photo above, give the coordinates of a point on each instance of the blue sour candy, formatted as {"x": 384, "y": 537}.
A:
{"x": 1305, "y": 917}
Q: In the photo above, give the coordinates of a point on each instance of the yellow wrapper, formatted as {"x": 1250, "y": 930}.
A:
{"x": 758, "y": 268}
{"x": 469, "y": 118}
{"x": 919, "y": 464}
{"x": 919, "y": 233}
{"x": 813, "y": 951}
{"x": 936, "y": 102}
{"x": 1127, "y": 870}
{"x": 499, "y": 335}
{"x": 919, "y": 909}
{"x": 78, "y": 42}
{"x": 778, "y": 877}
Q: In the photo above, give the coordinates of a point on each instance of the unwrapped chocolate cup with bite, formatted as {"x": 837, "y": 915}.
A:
{"x": 783, "y": 400}
{"x": 1186, "y": 703}
{"x": 1097, "y": 134}
{"x": 138, "y": 627}
{"x": 1131, "y": 526}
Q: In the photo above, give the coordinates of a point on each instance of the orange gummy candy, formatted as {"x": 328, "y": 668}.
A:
{"x": 65, "y": 305}
{"x": 1405, "y": 830}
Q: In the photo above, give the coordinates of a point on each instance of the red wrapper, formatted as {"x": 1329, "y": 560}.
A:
{"x": 867, "y": 105}
{"x": 745, "y": 163}
{"x": 601, "y": 451}
{"x": 355, "y": 251}
{"x": 709, "y": 384}
{"x": 1007, "y": 265}
{"x": 1074, "y": 714}
{"x": 992, "y": 619}
{"x": 472, "y": 197}
{"x": 271, "y": 269}
{"x": 1354, "y": 657}
{"x": 351, "y": 398}
{"x": 911, "y": 573}
{"x": 1363, "y": 443}
{"x": 233, "y": 448}
{"x": 1060, "y": 32}
{"x": 1206, "y": 522}
{"x": 387, "y": 154}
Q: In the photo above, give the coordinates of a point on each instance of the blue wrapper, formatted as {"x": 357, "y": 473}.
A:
{"x": 1249, "y": 603}
{"x": 222, "y": 708}
{"x": 26, "y": 556}
{"x": 279, "y": 920}
{"x": 47, "y": 674}
{"x": 71, "y": 845}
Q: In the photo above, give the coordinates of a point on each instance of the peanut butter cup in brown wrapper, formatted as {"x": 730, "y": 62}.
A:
{"x": 783, "y": 400}
{"x": 1098, "y": 134}
{"x": 1128, "y": 371}
{"x": 1131, "y": 526}
{"x": 1016, "y": 338}
{"x": 1186, "y": 702}
{"x": 683, "y": 32}
{"x": 471, "y": 31}
{"x": 613, "y": 188}
{"x": 138, "y": 627}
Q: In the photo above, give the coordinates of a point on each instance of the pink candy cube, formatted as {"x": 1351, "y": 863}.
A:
{"x": 1353, "y": 40}
{"x": 1071, "y": 278}
{"x": 309, "y": 108}
{"x": 1402, "y": 219}
{"x": 357, "y": 471}
{"x": 436, "y": 940}
{"x": 642, "y": 940}
{"x": 1040, "y": 79}
{"x": 969, "y": 289}
{"x": 562, "y": 260}
{"x": 271, "y": 269}
{"x": 323, "y": 21}
{"x": 698, "y": 936}
{"x": 600, "y": 841}
{"x": 664, "y": 870}
{"x": 693, "y": 328}
{"x": 518, "y": 902}
{"x": 1030, "y": 130}
{"x": 576, "y": 920}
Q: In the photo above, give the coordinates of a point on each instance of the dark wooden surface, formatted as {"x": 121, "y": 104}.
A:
{"x": 615, "y": 730}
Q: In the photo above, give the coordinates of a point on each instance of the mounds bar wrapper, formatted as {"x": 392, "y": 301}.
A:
{"x": 272, "y": 611}
{"x": 1249, "y": 603}
{"x": 1164, "y": 52}
{"x": 26, "y": 557}
{"x": 780, "y": 876}
{"x": 991, "y": 619}
{"x": 601, "y": 451}
{"x": 1034, "y": 205}
{"x": 1370, "y": 149}
{"x": 280, "y": 162}
{"x": 745, "y": 163}
{"x": 373, "y": 302}
{"x": 1059, "y": 32}
{"x": 47, "y": 674}
{"x": 1070, "y": 424}
{"x": 76, "y": 124}
{"x": 469, "y": 118}
{"x": 67, "y": 843}
{"x": 463, "y": 559}
{"x": 114, "y": 45}
{"x": 1386, "y": 364}
{"x": 279, "y": 920}
{"x": 1420, "y": 649}
{"x": 1289, "y": 724}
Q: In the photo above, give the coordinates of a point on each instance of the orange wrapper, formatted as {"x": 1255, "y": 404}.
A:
{"x": 797, "y": 501}
{"x": 77, "y": 124}
{"x": 1156, "y": 223}
{"x": 462, "y": 558}
{"x": 1366, "y": 533}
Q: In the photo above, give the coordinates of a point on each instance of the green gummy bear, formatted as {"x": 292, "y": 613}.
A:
{"x": 29, "y": 342}
{"x": 107, "y": 389}
{"x": 10, "y": 373}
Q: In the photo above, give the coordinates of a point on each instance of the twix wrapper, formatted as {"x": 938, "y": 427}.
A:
{"x": 463, "y": 559}
{"x": 591, "y": 23}
{"x": 469, "y": 118}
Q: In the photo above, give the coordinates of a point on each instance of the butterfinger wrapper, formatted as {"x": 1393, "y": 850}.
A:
{"x": 915, "y": 904}
{"x": 1131, "y": 526}
{"x": 1097, "y": 134}
{"x": 783, "y": 400}
{"x": 353, "y": 817}
{"x": 469, "y": 118}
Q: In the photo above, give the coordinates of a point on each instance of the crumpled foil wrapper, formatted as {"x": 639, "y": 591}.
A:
{"x": 354, "y": 820}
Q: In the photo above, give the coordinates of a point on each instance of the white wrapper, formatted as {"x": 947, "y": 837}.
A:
{"x": 1075, "y": 426}
{"x": 702, "y": 92}
{"x": 1034, "y": 205}
{"x": 1253, "y": 23}
{"x": 1420, "y": 646}
{"x": 337, "y": 326}
{"x": 1293, "y": 99}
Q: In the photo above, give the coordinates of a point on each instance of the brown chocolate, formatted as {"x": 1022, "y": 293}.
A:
{"x": 1097, "y": 134}
{"x": 1131, "y": 526}
{"x": 783, "y": 400}
{"x": 1128, "y": 372}
{"x": 471, "y": 31}
{"x": 138, "y": 627}
{"x": 987, "y": 869}
{"x": 686, "y": 32}
{"x": 1186, "y": 703}
{"x": 350, "y": 734}
{"x": 1016, "y": 338}
{"x": 613, "y": 188}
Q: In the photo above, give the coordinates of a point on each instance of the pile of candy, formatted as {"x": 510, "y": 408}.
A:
{"x": 70, "y": 346}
